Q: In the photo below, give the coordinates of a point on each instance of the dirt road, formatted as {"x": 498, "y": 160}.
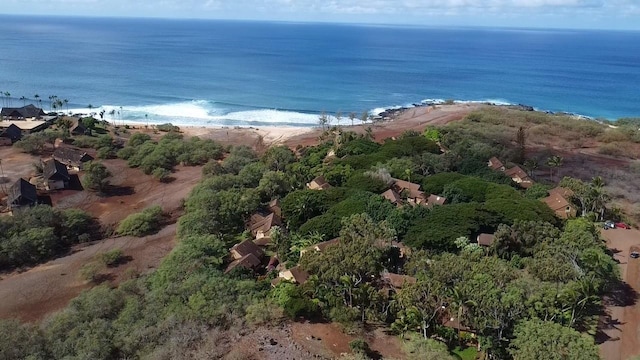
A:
{"x": 619, "y": 331}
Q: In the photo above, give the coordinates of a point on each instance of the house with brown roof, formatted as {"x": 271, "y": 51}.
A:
{"x": 411, "y": 190}
{"x": 485, "y": 239}
{"x": 22, "y": 194}
{"x": 496, "y": 164}
{"x": 246, "y": 255}
{"x": 55, "y": 175}
{"x": 248, "y": 261}
{"x": 397, "y": 281}
{"x": 80, "y": 129}
{"x": 296, "y": 275}
{"x": 433, "y": 200}
{"x": 393, "y": 197}
{"x": 245, "y": 248}
{"x": 319, "y": 183}
{"x": 320, "y": 247}
{"x": 559, "y": 203}
{"x": 519, "y": 176}
{"x": 72, "y": 158}
{"x": 274, "y": 207}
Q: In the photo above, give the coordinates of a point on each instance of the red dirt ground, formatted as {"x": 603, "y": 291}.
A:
{"x": 37, "y": 292}
{"x": 621, "y": 326}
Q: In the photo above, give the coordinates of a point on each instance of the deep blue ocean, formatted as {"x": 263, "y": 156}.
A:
{"x": 256, "y": 73}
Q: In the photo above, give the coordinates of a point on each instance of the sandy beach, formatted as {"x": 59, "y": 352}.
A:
{"x": 416, "y": 118}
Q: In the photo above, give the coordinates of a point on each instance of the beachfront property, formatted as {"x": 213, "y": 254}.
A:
{"x": 25, "y": 113}
{"x": 55, "y": 175}
{"x": 22, "y": 194}
{"x": 10, "y": 135}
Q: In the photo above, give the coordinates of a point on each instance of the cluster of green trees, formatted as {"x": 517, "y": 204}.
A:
{"x": 143, "y": 223}
{"x": 540, "y": 279}
{"x": 34, "y": 235}
{"x": 159, "y": 158}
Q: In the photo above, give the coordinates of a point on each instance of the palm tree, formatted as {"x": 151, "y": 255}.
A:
{"x": 66, "y": 103}
{"x": 598, "y": 196}
{"x": 460, "y": 304}
{"x": 8, "y": 96}
{"x": 51, "y": 99}
{"x": 37, "y": 98}
{"x": 24, "y": 100}
{"x": 531, "y": 165}
{"x": 554, "y": 161}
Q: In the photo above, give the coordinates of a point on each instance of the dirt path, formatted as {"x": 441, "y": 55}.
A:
{"x": 619, "y": 332}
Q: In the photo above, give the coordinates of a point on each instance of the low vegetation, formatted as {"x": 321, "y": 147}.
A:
{"x": 540, "y": 281}
{"x": 143, "y": 223}
{"x": 37, "y": 234}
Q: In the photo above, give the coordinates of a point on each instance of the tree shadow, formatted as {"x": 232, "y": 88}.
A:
{"x": 113, "y": 190}
{"x": 621, "y": 294}
{"x": 606, "y": 322}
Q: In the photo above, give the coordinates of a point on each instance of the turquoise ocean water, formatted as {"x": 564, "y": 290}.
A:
{"x": 259, "y": 73}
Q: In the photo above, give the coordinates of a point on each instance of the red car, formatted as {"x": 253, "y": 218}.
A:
{"x": 622, "y": 225}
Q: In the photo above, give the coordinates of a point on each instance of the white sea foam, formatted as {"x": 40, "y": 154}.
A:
{"x": 205, "y": 113}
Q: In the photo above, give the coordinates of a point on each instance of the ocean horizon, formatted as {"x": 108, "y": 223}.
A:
{"x": 249, "y": 73}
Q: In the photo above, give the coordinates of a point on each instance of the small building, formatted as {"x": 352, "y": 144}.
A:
{"x": 245, "y": 248}
{"x": 433, "y": 200}
{"x": 12, "y": 133}
{"x": 73, "y": 159}
{"x": 319, "y": 183}
{"x": 296, "y": 275}
{"x": 79, "y": 129}
{"x": 55, "y": 175}
{"x": 28, "y": 112}
{"x": 496, "y": 164}
{"x": 397, "y": 281}
{"x": 393, "y": 197}
{"x": 559, "y": 203}
{"x": 320, "y": 247}
{"x": 409, "y": 190}
{"x": 261, "y": 226}
{"x": 519, "y": 176}
{"x": 246, "y": 255}
{"x": 274, "y": 207}
{"x": 485, "y": 239}
{"x": 22, "y": 194}
{"x": 249, "y": 262}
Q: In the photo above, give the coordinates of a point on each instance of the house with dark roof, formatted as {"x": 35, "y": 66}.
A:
{"x": 496, "y": 164}
{"x": 72, "y": 158}
{"x": 433, "y": 200}
{"x": 55, "y": 175}
{"x": 557, "y": 201}
{"x": 485, "y": 239}
{"x": 319, "y": 183}
{"x": 79, "y": 129}
{"x": 519, "y": 176}
{"x": 22, "y": 113}
{"x": 22, "y": 194}
{"x": 261, "y": 225}
{"x": 11, "y": 133}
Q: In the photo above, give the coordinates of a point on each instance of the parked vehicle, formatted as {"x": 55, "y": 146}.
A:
{"x": 622, "y": 225}
{"x": 609, "y": 225}
{"x": 634, "y": 254}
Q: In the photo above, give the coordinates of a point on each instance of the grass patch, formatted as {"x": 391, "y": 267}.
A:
{"x": 469, "y": 353}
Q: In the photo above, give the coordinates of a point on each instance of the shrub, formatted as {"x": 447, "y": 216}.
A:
{"x": 111, "y": 258}
{"x": 167, "y": 127}
{"x": 612, "y": 149}
{"x": 144, "y": 223}
{"x": 91, "y": 271}
{"x": 95, "y": 176}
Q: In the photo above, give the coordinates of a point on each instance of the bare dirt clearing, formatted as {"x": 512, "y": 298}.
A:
{"x": 620, "y": 335}
{"x": 46, "y": 288}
